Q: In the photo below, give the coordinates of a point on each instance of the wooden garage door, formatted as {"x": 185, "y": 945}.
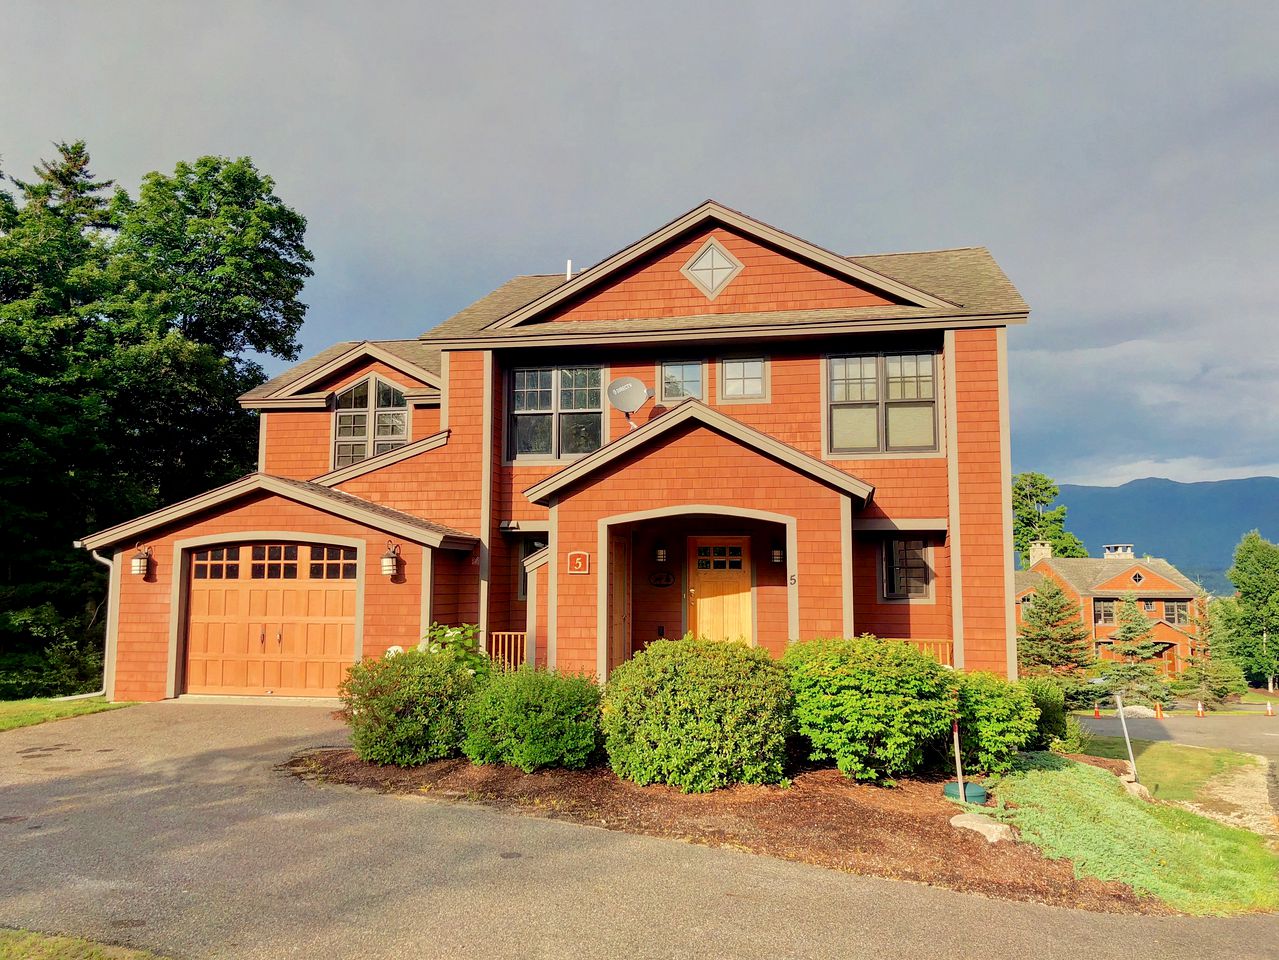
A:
{"x": 271, "y": 619}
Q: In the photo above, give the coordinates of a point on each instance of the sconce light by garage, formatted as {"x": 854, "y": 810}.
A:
{"x": 140, "y": 565}
{"x": 777, "y": 554}
{"x": 391, "y": 559}
{"x": 659, "y": 552}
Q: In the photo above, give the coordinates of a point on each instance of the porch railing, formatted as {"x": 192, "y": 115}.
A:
{"x": 507, "y": 648}
{"x": 941, "y": 650}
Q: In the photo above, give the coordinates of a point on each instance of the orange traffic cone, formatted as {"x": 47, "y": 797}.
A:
{"x": 1270, "y": 708}
{"x": 1159, "y": 711}
{"x": 1199, "y": 709}
{"x": 1096, "y": 712}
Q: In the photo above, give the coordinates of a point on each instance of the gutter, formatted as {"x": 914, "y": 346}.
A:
{"x": 79, "y": 545}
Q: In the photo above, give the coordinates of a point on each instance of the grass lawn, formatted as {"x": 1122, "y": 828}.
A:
{"x": 25, "y": 713}
{"x": 1081, "y": 813}
{"x": 1172, "y": 771}
{"x": 21, "y": 945}
{"x": 1259, "y": 696}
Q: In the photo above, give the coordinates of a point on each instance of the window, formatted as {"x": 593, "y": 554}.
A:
{"x": 882, "y": 402}
{"x": 1027, "y": 601}
{"x": 370, "y": 404}
{"x": 1137, "y": 578}
{"x": 556, "y": 412}
{"x": 529, "y": 545}
{"x": 1148, "y": 606}
{"x": 1103, "y": 611}
{"x": 274, "y": 561}
{"x": 743, "y": 380}
{"x": 332, "y": 563}
{"x": 906, "y": 572}
{"x": 1177, "y": 611}
{"x": 680, "y": 380}
{"x": 216, "y": 563}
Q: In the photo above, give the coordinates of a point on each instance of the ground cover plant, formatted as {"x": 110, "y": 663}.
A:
{"x": 531, "y": 719}
{"x": 1174, "y": 772}
{"x": 1077, "y": 812}
{"x": 698, "y": 715}
{"x": 26, "y": 713}
{"x": 25, "y": 945}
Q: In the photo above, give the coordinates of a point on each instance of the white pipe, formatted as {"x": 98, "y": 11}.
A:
{"x": 79, "y": 544}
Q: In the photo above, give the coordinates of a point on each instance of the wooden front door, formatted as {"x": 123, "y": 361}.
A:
{"x": 270, "y": 619}
{"x": 619, "y": 599}
{"x": 719, "y": 588}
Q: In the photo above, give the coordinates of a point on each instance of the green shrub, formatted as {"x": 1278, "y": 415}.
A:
{"x": 1076, "y": 739}
{"x": 996, "y": 719}
{"x": 532, "y": 719}
{"x": 870, "y": 705}
{"x": 460, "y": 642}
{"x": 698, "y": 715}
{"x": 1211, "y": 681}
{"x": 408, "y": 709}
{"x": 1049, "y": 695}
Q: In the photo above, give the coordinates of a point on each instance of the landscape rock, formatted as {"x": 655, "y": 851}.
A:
{"x": 1137, "y": 790}
{"x": 1139, "y": 711}
{"x": 991, "y": 829}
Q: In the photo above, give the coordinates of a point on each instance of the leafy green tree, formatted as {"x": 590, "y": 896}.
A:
{"x": 1052, "y": 639}
{"x": 127, "y": 330}
{"x": 1033, "y": 494}
{"x": 1135, "y": 675}
{"x": 1250, "y": 620}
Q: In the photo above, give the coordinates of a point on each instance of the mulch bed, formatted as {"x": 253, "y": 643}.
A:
{"x": 901, "y": 832}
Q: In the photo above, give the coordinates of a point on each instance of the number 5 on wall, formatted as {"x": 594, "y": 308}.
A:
{"x": 579, "y": 561}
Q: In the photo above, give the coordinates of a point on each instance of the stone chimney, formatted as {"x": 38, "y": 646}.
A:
{"x": 1118, "y": 551}
{"x": 1040, "y": 550}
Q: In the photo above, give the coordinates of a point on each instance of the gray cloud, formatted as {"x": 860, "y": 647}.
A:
{"x": 1118, "y": 159}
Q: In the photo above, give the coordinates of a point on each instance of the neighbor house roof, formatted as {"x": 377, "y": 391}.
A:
{"x": 1086, "y": 574}
{"x": 337, "y": 502}
{"x": 1024, "y": 580}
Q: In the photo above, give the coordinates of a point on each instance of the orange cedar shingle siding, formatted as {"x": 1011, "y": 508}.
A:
{"x": 770, "y": 281}
{"x": 392, "y": 611}
{"x": 923, "y": 621}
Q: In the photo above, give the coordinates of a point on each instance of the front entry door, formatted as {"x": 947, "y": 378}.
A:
{"x": 719, "y": 588}
{"x": 619, "y": 599}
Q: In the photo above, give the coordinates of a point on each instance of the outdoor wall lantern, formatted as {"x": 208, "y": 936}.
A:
{"x": 777, "y": 554}
{"x": 140, "y": 565}
{"x": 391, "y": 559}
{"x": 659, "y": 553}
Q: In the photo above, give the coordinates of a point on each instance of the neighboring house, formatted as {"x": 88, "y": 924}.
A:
{"x": 825, "y": 452}
{"x": 1098, "y": 585}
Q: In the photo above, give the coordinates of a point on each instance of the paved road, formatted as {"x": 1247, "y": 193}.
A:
{"x": 1252, "y": 734}
{"x": 167, "y": 827}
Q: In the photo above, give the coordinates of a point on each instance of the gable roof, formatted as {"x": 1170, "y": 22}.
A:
{"x": 1086, "y": 574}
{"x": 695, "y": 411}
{"x": 1024, "y": 580}
{"x": 323, "y": 498}
{"x": 416, "y": 358}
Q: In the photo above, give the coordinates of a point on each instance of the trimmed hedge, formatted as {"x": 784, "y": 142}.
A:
{"x": 873, "y": 706}
{"x": 407, "y": 709}
{"x": 1049, "y": 695}
{"x": 531, "y": 719}
{"x": 996, "y": 719}
{"x": 698, "y": 715}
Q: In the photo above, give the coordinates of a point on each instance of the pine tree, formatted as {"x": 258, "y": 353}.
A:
{"x": 1135, "y": 675}
{"x": 1210, "y": 675}
{"x": 1052, "y": 638}
{"x": 1134, "y": 638}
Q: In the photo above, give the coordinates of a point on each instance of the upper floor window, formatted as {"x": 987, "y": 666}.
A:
{"x": 743, "y": 379}
{"x": 906, "y": 573}
{"x": 882, "y": 402}
{"x": 1177, "y": 611}
{"x": 1103, "y": 611}
{"x": 371, "y": 417}
{"x": 680, "y": 380}
{"x": 556, "y": 411}
{"x": 1148, "y": 606}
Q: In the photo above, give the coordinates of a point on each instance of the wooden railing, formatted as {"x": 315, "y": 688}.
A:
{"x": 941, "y": 650}
{"x": 507, "y": 648}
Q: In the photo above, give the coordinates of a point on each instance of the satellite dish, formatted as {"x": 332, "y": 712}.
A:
{"x": 628, "y": 394}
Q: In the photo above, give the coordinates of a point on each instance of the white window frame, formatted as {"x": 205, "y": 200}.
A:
{"x": 370, "y": 411}
{"x": 660, "y": 376}
{"x": 721, "y": 379}
{"x": 555, "y": 412}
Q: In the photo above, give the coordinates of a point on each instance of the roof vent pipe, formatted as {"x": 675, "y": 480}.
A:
{"x": 568, "y": 270}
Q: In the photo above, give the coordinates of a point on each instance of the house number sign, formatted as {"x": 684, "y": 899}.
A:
{"x": 579, "y": 561}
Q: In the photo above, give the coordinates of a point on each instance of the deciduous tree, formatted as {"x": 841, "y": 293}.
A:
{"x": 1033, "y": 495}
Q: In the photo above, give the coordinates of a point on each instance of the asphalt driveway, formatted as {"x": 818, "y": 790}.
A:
{"x": 167, "y": 827}
{"x": 1251, "y": 733}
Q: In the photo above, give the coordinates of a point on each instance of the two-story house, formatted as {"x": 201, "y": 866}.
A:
{"x": 721, "y": 429}
{"x": 1098, "y": 585}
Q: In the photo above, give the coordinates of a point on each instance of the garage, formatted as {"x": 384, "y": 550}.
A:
{"x": 271, "y": 619}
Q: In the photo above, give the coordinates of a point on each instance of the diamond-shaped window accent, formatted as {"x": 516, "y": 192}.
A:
{"x": 1137, "y": 578}
{"x": 712, "y": 268}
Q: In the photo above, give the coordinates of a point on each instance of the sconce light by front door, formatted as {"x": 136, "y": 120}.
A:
{"x": 391, "y": 560}
{"x": 140, "y": 565}
{"x": 777, "y": 554}
{"x": 659, "y": 552}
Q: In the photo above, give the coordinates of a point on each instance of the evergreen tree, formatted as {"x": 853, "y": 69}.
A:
{"x": 1210, "y": 676}
{"x": 1135, "y": 675}
{"x": 1134, "y": 636}
{"x": 1032, "y": 494}
{"x": 1052, "y": 638}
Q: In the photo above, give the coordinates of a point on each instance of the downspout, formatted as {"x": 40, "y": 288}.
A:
{"x": 79, "y": 545}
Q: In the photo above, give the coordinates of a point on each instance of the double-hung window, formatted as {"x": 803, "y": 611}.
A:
{"x": 371, "y": 417}
{"x": 1177, "y": 611}
{"x": 906, "y": 573}
{"x": 556, "y": 411}
{"x": 881, "y": 403}
{"x": 681, "y": 380}
{"x": 1103, "y": 611}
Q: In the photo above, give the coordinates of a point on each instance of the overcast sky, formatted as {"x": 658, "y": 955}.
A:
{"x": 1121, "y": 160}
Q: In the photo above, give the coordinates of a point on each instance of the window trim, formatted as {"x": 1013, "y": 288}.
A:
{"x": 1177, "y": 622}
{"x": 765, "y": 397}
{"x": 662, "y": 399}
{"x": 523, "y": 539}
{"x": 1096, "y": 612}
{"x": 372, "y": 378}
{"x": 881, "y": 565}
{"x": 882, "y": 450}
{"x": 507, "y": 439}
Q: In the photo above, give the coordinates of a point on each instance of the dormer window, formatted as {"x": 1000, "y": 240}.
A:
{"x": 370, "y": 417}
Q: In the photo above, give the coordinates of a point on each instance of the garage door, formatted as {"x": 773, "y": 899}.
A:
{"x": 272, "y": 619}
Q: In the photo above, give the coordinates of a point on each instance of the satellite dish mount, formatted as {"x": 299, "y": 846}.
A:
{"x": 628, "y": 394}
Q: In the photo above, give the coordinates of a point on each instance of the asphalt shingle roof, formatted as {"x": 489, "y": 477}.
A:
{"x": 1085, "y": 574}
